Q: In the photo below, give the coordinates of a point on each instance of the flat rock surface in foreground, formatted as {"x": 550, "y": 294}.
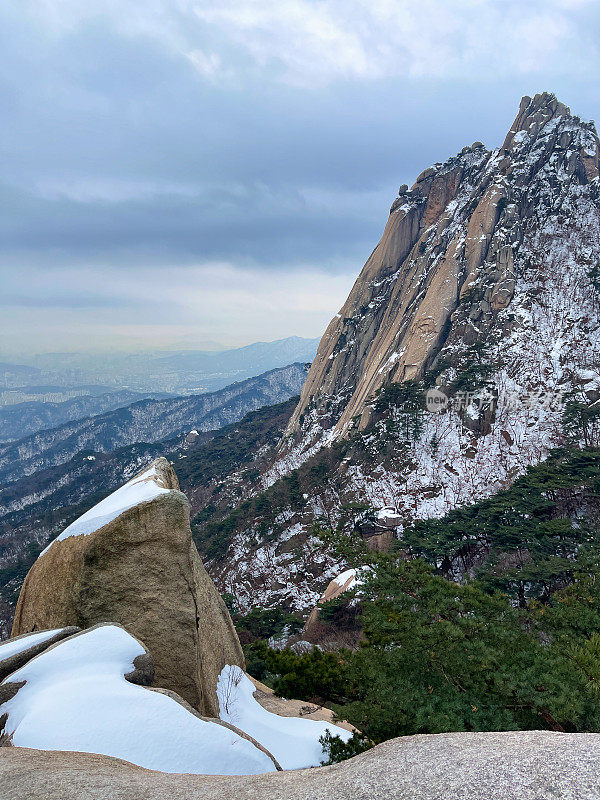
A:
{"x": 535, "y": 765}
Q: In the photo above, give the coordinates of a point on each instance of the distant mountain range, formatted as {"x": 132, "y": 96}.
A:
{"x": 147, "y": 421}
{"x": 174, "y": 372}
{"x": 18, "y": 420}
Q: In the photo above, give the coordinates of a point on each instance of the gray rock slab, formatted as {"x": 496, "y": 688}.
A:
{"x": 534, "y": 765}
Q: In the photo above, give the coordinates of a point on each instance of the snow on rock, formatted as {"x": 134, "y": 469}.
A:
{"x": 347, "y": 579}
{"x": 141, "y": 489}
{"x": 506, "y": 267}
{"x": 76, "y": 697}
{"x": 502, "y": 262}
{"x": 293, "y": 741}
{"x": 390, "y": 515}
{"x": 15, "y": 646}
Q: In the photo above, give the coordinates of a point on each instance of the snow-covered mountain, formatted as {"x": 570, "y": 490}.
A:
{"x": 489, "y": 263}
{"x": 483, "y": 295}
{"x": 22, "y": 419}
{"x": 485, "y": 291}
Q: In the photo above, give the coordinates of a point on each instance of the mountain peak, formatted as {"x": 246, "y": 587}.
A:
{"x": 538, "y": 110}
{"x": 534, "y": 113}
{"x": 450, "y": 259}
{"x": 543, "y": 101}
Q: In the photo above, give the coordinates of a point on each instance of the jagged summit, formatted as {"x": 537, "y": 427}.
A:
{"x": 446, "y": 269}
{"x": 535, "y": 112}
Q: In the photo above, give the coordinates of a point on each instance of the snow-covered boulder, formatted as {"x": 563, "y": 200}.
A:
{"x": 78, "y": 695}
{"x": 293, "y": 741}
{"x": 389, "y": 517}
{"x": 18, "y": 651}
{"x": 131, "y": 560}
{"x": 318, "y": 632}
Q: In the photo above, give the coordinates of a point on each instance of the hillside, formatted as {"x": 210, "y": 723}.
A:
{"x": 24, "y": 419}
{"x": 146, "y": 421}
{"x": 46, "y": 502}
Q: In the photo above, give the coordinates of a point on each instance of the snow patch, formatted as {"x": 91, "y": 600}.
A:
{"x": 14, "y": 646}
{"x": 344, "y": 577}
{"x": 293, "y": 741}
{"x": 141, "y": 489}
{"x": 76, "y": 698}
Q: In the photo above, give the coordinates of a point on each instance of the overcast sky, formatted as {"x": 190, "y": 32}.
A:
{"x": 175, "y": 172}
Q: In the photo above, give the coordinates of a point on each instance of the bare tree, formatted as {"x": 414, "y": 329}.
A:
{"x": 227, "y": 689}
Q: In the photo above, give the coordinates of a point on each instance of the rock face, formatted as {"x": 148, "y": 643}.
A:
{"x": 131, "y": 560}
{"x": 456, "y": 250}
{"x": 490, "y": 263}
{"x": 488, "y": 277}
{"x": 532, "y": 765}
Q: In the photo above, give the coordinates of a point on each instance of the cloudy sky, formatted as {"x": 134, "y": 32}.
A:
{"x": 176, "y": 172}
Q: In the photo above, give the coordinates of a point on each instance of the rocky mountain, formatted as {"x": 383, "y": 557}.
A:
{"x": 484, "y": 286}
{"x": 147, "y": 421}
{"x": 482, "y": 299}
{"x": 489, "y": 245}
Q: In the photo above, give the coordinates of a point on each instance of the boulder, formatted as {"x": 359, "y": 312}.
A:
{"x": 529, "y": 765}
{"x": 131, "y": 560}
{"x": 345, "y": 632}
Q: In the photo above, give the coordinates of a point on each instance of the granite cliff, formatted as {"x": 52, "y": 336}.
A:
{"x": 460, "y": 256}
{"x": 484, "y": 289}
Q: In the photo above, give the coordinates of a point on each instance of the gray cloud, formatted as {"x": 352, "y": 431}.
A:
{"x": 265, "y": 137}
